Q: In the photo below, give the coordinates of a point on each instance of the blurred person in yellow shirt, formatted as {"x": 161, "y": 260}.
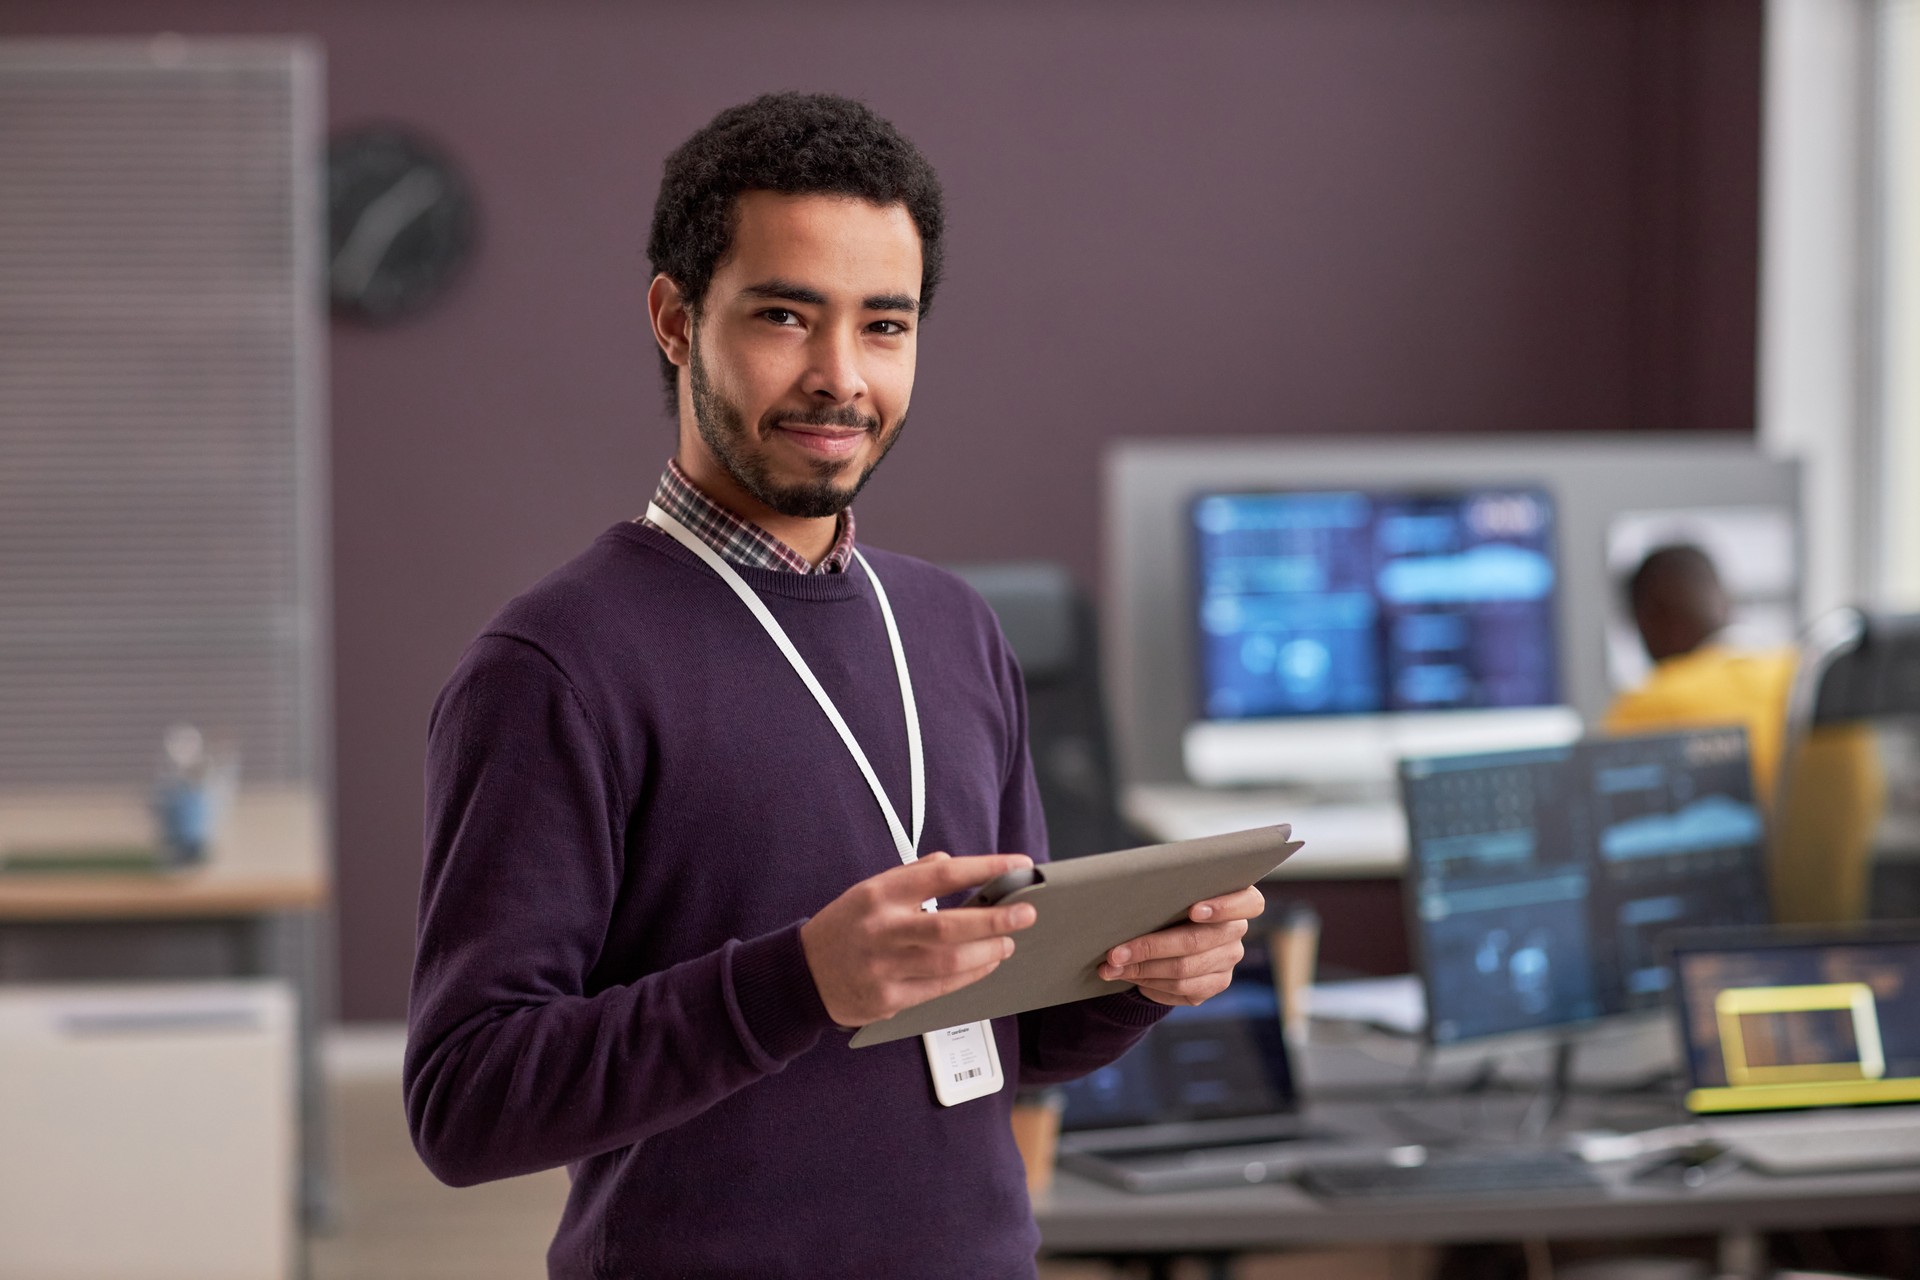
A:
{"x": 1821, "y": 845}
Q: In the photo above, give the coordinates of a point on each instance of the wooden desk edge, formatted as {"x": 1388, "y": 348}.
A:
{"x": 26, "y": 897}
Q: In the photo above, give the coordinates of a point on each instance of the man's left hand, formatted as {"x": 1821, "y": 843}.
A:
{"x": 1188, "y": 963}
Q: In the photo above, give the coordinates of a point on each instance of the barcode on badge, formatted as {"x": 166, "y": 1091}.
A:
{"x": 968, "y": 1074}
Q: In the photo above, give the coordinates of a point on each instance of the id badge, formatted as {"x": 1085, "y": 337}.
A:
{"x": 965, "y": 1062}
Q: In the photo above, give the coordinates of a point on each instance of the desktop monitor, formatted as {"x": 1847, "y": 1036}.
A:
{"x": 1330, "y": 623}
{"x": 1541, "y": 883}
{"x": 1795, "y": 1018}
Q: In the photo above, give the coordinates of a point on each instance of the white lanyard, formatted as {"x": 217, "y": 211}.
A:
{"x": 964, "y": 1060}
{"x": 907, "y": 845}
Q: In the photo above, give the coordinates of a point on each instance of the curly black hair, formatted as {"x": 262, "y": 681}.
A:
{"x": 795, "y": 144}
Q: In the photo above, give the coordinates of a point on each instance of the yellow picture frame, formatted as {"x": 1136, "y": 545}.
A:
{"x": 1735, "y": 1003}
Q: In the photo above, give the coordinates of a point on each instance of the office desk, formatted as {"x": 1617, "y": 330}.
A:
{"x": 268, "y": 857}
{"x": 1077, "y": 1215}
{"x": 256, "y": 907}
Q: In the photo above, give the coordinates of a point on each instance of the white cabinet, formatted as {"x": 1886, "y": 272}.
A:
{"x": 147, "y": 1132}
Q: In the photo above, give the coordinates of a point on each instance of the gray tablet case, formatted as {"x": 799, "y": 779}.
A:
{"x": 1086, "y": 907}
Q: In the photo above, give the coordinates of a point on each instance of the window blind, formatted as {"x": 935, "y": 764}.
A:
{"x": 161, "y": 450}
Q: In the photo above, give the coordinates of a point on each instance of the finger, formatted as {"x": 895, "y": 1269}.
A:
{"x": 1244, "y": 904}
{"x": 1193, "y": 965}
{"x": 943, "y": 961}
{"x": 1179, "y": 940}
{"x": 966, "y": 924}
{"x": 1186, "y": 991}
{"x": 912, "y": 991}
{"x": 939, "y": 874}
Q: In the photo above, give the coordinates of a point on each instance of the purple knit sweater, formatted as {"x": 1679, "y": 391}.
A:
{"x": 632, "y": 805}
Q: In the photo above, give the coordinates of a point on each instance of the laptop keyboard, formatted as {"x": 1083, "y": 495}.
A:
{"x": 1461, "y": 1176}
{"x": 1202, "y": 1151}
{"x": 1874, "y": 1139}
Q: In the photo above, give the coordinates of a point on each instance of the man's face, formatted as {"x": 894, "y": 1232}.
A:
{"x": 802, "y": 356}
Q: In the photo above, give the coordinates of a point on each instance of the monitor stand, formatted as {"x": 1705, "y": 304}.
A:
{"x": 1551, "y": 1099}
{"x": 1548, "y": 1098}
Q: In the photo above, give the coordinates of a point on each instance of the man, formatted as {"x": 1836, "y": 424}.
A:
{"x": 666, "y": 875}
{"x": 1698, "y": 680}
{"x": 1824, "y": 836}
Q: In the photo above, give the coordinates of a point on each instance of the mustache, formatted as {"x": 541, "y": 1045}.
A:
{"x": 816, "y": 417}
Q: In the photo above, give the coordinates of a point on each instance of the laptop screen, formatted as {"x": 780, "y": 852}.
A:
{"x": 1220, "y": 1060}
{"x": 1800, "y": 1020}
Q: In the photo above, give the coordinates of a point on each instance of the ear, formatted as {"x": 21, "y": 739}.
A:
{"x": 672, "y": 321}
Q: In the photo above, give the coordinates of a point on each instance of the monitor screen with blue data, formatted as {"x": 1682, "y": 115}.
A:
{"x": 1356, "y": 602}
{"x": 1542, "y": 883}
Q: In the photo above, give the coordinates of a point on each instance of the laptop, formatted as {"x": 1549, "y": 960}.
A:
{"x": 1801, "y": 1047}
{"x": 1206, "y": 1099}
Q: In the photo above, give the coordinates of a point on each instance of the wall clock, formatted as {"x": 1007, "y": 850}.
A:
{"x": 400, "y": 222}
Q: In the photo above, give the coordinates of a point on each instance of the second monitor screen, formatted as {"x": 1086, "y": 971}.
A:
{"x": 1543, "y": 882}
{"x": 1350, "y": 602}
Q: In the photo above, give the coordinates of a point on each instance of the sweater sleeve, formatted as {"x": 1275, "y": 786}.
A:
{"x": 512, "y": 1064}
{"x": 1069, "y": 1040}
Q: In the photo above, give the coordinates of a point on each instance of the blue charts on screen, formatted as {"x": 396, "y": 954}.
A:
{"x": 1356, "y": 602}
{"x": 1544, "y": 883}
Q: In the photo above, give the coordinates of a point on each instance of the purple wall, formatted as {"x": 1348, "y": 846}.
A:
{"x": 1209, "y": 218}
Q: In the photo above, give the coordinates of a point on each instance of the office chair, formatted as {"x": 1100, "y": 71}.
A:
{"x": 1050, "y": 625}
{"x": 1853, "y": 668}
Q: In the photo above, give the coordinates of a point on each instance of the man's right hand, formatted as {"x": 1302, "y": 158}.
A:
{"x": 874, "y": 952}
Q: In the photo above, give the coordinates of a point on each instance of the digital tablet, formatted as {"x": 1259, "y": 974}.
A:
{"x": 1084, "y": 908}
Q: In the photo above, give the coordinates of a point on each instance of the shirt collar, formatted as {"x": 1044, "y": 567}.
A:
{"x": 741, "y": 542}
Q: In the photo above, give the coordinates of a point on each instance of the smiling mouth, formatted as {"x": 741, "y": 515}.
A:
{"x": 829, "y": 442}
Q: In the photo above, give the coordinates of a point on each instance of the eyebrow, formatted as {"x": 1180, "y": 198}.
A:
{"x": 893, "y": 302}
{"x": 788, "y": 291}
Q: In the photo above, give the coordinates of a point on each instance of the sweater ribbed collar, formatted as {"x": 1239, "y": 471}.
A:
{"x": 775, "y": 582}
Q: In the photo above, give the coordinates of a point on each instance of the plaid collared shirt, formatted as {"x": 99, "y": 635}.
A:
{"x": 738, "y": 541}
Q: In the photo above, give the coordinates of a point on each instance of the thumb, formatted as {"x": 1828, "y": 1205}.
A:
{"x": 938, "y": 874}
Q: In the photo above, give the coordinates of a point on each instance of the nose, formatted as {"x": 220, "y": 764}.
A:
{"x": 833, "y": 368}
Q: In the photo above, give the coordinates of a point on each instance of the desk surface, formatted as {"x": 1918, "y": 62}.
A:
{"x": 1077, "y": 1215}
{"x": 268, "y": 856}
{"x": 1343, "y": 841}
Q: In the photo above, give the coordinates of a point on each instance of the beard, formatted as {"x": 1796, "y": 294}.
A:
{"x": 724, "y": 429}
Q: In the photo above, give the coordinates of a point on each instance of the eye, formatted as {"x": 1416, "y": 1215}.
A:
{"x": 780, "y": 315}
{"x": 888, "y": 328}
